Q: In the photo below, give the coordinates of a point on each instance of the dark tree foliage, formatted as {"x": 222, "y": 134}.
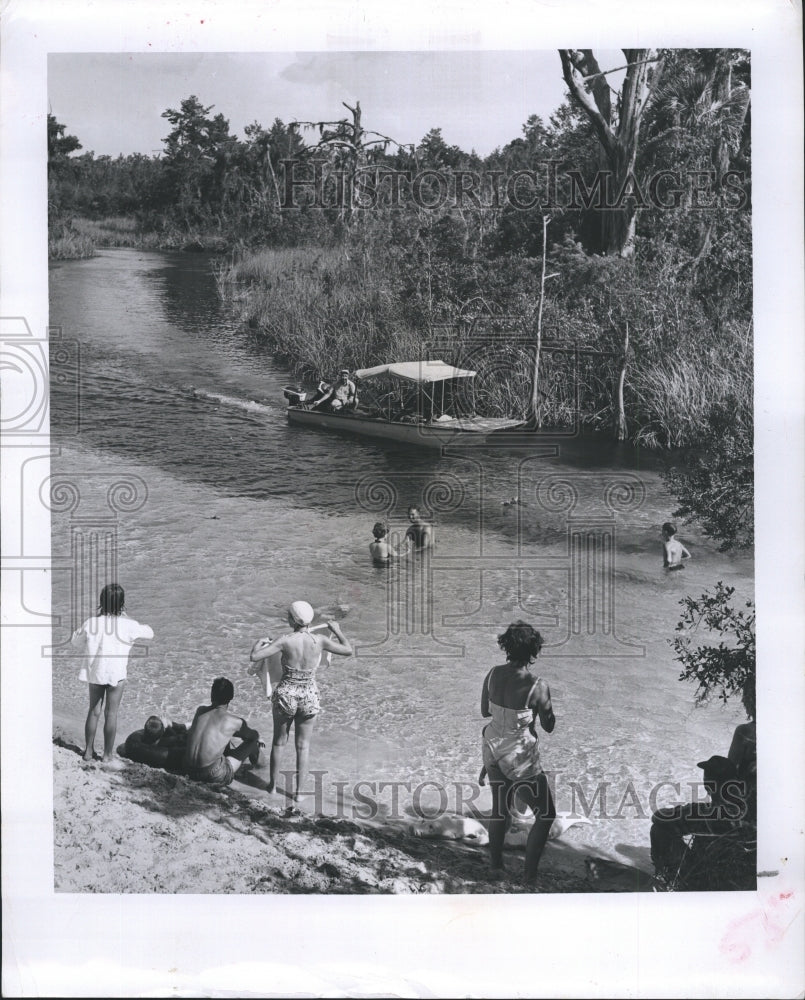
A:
{"x": 63, "y": 171}
{"x": 715, "y": 485}
{"x": 727, "y": 668}
{"x": 59, "y": 145}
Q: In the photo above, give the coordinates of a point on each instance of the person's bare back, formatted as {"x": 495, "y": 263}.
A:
{"x": 212, "y": 729}
{"x": 674, "y": 552}
{"x": 209, "y": 756}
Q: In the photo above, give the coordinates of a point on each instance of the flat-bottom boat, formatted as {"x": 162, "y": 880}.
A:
{"x": 421, "y": 416}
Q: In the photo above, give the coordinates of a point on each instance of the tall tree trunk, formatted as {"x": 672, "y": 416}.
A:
{"x": 356, "y": 158}
{"x": 588, "y": 87}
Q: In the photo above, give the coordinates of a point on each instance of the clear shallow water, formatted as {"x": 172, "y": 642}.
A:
{"x": 244, "y": 514}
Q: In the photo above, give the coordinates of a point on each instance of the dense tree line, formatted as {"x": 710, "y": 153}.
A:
{"x": 677, "y": 111}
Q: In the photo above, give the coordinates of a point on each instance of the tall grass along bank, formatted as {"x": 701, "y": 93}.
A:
{"x": 321, "y": 309}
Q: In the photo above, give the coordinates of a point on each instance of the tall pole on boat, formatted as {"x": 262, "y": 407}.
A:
{"x": 534, "y": 416}
{"x": 620, "y": 425}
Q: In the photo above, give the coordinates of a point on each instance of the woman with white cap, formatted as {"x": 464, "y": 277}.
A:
{"x": 296, "y": 698}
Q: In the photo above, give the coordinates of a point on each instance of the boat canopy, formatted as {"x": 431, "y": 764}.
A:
{"x": 417, "y": 371}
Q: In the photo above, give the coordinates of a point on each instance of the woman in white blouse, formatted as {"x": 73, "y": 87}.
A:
{"x": 108, "y": 637}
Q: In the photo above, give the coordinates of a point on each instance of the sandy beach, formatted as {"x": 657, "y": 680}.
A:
{"x": 129, "y": 828}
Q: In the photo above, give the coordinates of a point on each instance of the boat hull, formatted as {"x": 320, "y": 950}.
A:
{"x": 469, "y": 431}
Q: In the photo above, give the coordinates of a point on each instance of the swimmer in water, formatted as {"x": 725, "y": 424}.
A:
{"x": 673, "y": 551}
{"x": 381, "y": 550}
{"x": 420, "y": 533}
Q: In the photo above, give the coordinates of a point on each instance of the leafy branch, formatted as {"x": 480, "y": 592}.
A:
{"x": 716, "y": 486}
{"x": 724, "y": 669}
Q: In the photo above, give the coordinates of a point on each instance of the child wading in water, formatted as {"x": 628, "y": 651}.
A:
{"x": 673, "y": 551}
{"x": 108, "y": 637}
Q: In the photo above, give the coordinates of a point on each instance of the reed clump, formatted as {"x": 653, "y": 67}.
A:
{"x": 67, "y": 243}
{"x": 318, "y": 309}
{"x": 670, "y": 400}
{"x": 323, "y": 308}
{"x": 128, "y": 232}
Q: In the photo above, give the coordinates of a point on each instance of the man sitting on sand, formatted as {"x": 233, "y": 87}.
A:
{"x": 209, "y": 755}
{"x": 727, "y": 806}
{"x": 673, "y": 551}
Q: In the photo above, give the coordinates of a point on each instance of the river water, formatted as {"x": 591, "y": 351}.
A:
{"x": 230, "y": 514}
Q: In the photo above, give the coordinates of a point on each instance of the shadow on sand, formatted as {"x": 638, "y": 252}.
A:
{"x": 454, "y": 866}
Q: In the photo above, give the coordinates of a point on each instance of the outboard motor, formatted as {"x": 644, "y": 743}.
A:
{"x": 295, "y": 397}
{"x": 304, "y": 397}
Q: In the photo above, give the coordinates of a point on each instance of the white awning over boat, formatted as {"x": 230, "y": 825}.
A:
{"x": 417, "y": 371}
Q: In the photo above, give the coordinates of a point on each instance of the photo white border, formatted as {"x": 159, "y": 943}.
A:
{"x": 620, "y": 945}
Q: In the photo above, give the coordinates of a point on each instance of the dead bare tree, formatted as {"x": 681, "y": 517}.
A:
{"x": 349, "y": 144}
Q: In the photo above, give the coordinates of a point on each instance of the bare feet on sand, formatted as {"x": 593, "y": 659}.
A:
{"x": 534, "y": 883}
{"x": 302, "y": 795}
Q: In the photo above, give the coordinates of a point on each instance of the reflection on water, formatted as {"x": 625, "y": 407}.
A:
{"x": 244, "y": 514}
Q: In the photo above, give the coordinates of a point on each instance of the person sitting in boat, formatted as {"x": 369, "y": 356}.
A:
{"x": 342, "y": 396}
